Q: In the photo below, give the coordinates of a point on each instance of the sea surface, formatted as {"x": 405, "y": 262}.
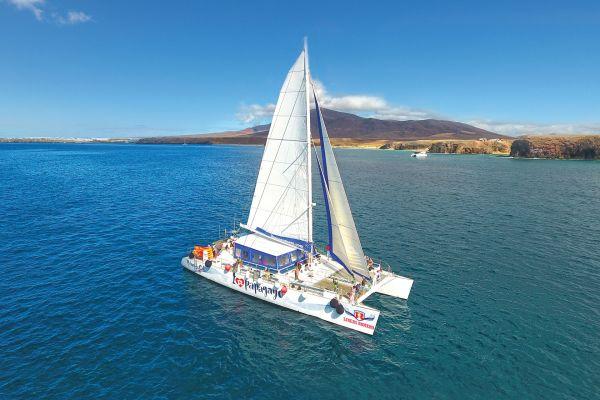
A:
{"x": 94, "y": 304}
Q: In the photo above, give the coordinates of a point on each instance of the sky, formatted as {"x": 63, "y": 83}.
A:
{"x": 106, "y": 68}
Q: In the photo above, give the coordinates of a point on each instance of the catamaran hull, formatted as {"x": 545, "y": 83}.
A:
{"x": 359, "y": 318}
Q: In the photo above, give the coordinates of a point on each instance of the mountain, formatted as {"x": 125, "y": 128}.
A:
{"x": 347, "y": 128}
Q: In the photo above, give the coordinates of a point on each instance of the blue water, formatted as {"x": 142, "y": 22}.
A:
{"x": 94, "y": 304}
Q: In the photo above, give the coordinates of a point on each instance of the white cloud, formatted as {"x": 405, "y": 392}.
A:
{"x": 524, "y": 128}
{"x": 362, "y": 104}
{"x": 349, "y": 103}
{"x": 378, "y": 107}
{"x": 37, "y": 7}
{"x": 404, "y": 114}
{"x": 32, "y": 5}
{"x": 72, "y": 18}
{"x": 255, "y": 113}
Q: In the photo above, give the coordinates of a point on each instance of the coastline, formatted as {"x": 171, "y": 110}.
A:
{"x": 567, "y": 147}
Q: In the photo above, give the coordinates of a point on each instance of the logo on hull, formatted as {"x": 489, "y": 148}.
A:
{"x": 359, "y": 315}
{"x": 258, "y": 288}
{"x": 360, "y": 318}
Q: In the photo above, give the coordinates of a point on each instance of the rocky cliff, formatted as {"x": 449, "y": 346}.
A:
{"x": 470, "y": 147}
{"x": 566, "y": 147}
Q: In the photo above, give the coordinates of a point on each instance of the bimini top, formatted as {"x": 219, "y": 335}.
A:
{"x": 264, "y": 245}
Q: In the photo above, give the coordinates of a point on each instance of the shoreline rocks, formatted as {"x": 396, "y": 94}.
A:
{"x": 561, "y": 147}
{"x": 470, "y": 147}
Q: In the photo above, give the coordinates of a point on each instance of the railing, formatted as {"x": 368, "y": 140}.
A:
{"x": 311, "y": 289}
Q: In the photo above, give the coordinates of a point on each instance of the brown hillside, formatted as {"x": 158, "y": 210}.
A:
{"x": 350, "y": 127}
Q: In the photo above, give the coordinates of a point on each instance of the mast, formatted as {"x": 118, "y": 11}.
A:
{"x": 308, "y": 144}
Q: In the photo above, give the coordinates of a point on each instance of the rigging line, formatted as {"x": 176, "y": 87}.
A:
{"x": 309, "y": 141}
{"x": 285, "y": 140}
{"x": 295, "y": 219}
{"x": 284, "y": 192}
{"x": 321, "y": 171}
{"x": 283, "y": 186}
{"x": 292, "y": 163}
{"x": 288, "y": 79}
{"x": 278, "y": 147}
{"x": 338, "y": 223}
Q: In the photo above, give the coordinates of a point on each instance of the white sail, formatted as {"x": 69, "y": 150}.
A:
{"x": 344, "y": 242}
{"x": 281, "y": 204}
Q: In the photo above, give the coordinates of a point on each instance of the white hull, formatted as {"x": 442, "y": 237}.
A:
{"x": 310, "y": 301}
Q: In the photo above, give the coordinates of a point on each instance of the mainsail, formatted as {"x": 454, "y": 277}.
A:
{"x": 344, "y": 243}
{"x": 282, "y": 201}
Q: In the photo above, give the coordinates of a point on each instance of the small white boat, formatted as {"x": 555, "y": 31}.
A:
{"x": 276, "y": 259}
{"x": 419, "y": 154}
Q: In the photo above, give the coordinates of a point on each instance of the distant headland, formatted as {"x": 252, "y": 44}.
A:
{"x": 563, "y": 147}
{"x": 349, "y": 130}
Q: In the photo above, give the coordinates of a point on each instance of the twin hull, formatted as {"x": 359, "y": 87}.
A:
{"x": 360, "y": 318}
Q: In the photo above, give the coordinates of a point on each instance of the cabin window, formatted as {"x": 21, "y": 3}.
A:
{"x": 256, "y": 258}
{"x": 245, "y": 255}
{"x": 238, "y": 252}
{"x": 283, "y": 260}
{"x": 269, "y": 261}
{"x": 294, "y": 256}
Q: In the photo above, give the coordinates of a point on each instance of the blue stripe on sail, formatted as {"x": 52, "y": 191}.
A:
{"x": 364, "y": 276}
{"x": 334, "y": 257}
{"x": 325, "y": 184}
{"x": 305, "y": 245}
{"x": 324, "y": 176}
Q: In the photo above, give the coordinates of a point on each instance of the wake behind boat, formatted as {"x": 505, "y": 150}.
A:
{"x": 276, "y": 259}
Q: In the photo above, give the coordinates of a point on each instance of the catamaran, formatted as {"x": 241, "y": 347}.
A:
{"x": 272, "y": 256}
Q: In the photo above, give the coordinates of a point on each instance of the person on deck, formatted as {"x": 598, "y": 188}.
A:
{"x": 297, "y": 271}
{"x": 308, "y": 268}
{"x": 357, "y": 288}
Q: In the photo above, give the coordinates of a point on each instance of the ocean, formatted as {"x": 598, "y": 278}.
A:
{"x": 505, "y": 255}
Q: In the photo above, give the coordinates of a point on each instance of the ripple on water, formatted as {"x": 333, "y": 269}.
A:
{"x": 95, "y": 304}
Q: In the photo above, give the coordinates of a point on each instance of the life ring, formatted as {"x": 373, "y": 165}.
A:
{"x": 227, "y": 267}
